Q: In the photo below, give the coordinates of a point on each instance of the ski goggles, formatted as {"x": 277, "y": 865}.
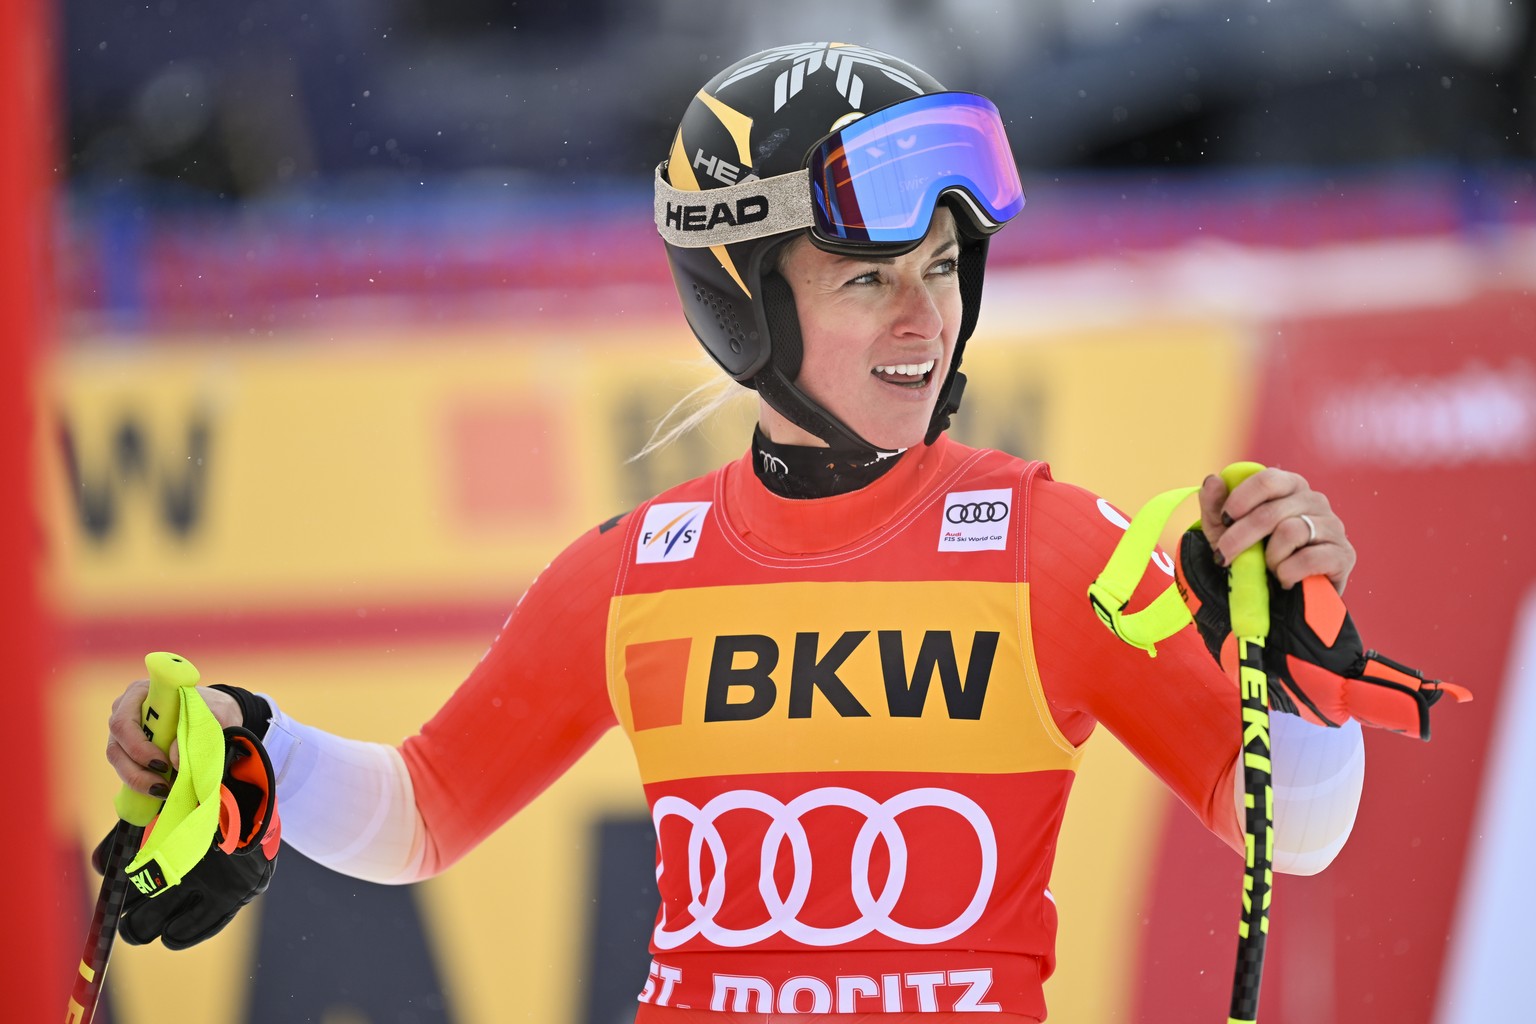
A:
{"x": 867, "y": 187}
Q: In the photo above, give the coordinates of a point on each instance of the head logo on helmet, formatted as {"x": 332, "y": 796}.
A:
{"x": 769, "y": 140}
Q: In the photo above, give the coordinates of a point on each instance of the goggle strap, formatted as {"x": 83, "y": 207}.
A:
{"x": 735, "y": 213}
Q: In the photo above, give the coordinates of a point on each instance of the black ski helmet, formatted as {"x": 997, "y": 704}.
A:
{"x": 757, "y": 121}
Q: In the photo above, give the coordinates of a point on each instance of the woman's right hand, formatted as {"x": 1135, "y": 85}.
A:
{"x": 138, "y": 762}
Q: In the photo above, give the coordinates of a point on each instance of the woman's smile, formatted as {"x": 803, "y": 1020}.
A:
{"x": 910, "y": 376}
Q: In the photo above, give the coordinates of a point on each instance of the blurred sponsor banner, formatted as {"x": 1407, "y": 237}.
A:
{"x": 344, "y": 522}
{"x": 213, "y": 479}
{"x": 1421, "y": 428}
{"x": 322, "y": 472}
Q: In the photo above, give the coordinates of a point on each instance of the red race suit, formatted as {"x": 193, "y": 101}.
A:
{"x": 857, "y": 720}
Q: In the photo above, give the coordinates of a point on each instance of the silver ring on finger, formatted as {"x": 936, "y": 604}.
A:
{"x": 1311, "y": 528}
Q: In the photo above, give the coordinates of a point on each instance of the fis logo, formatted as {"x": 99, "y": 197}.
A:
{"x": 976, "y": 520}
{"x": 670, "y": 532}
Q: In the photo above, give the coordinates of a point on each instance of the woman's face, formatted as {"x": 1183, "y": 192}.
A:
{"x": 878, "y": 336}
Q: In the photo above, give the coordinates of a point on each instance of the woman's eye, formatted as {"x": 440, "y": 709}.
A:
{"x": 944, "y": 268}
{"x": 868, "y": 277}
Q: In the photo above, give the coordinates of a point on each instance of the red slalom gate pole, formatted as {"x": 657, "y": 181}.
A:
{"x": 29, "y": 845}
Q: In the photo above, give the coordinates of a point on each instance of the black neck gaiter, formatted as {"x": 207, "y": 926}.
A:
{"x": 795, "y": 471}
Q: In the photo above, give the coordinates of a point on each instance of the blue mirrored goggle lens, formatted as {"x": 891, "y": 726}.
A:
{"x": 877, "y": 179}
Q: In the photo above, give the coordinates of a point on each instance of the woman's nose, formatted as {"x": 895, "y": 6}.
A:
{"x": 917, "y": 311}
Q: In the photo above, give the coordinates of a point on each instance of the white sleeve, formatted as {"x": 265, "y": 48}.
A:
{"x": 346, "y": 804}
{"x": 1318, "y": 774}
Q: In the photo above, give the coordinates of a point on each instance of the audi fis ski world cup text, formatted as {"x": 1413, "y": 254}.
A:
{"x": 976, "y": 520}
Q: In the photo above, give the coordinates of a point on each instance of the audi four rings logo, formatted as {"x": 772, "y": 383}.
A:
{"x": 977, "y": 512}
{"x": 785, "y": 825}
{"x": 976, "y": 520}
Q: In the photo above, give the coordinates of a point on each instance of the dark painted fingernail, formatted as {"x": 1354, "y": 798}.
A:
{"x": 160, "y": 790}
{"x": 1226, "y": 520}
{"x": 1219, "y": 558}
{"x": 159, "y": 766}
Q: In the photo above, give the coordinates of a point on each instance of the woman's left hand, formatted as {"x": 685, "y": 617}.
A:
{"x": 1276, "y": 506}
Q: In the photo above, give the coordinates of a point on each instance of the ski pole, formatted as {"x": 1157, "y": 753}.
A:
{"x": 158, "y": 715}
{"x": 1249, "y": 606}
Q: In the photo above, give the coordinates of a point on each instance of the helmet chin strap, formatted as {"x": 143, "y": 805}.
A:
{"x": 797, "y": 407}
{"x": 948, "y": 403}
{"x": 776, "y": 383}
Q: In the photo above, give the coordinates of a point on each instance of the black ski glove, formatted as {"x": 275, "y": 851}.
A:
{"x": 1314, "y": 652}
{"x": 237, "y": 868}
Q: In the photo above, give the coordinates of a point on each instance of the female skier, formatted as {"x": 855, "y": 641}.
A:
{"x": 857, "y": 665}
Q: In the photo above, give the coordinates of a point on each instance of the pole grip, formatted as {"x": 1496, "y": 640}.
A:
{"x": 1249, "y": 601}
{"x": 168, "y": 673}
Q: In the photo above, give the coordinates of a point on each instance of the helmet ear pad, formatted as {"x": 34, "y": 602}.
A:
{"x": 722, "y": 315}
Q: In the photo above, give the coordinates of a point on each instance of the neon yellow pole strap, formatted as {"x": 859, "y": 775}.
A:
{"x": 181, "y": 836}
{"x": 1111, "y": 592}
